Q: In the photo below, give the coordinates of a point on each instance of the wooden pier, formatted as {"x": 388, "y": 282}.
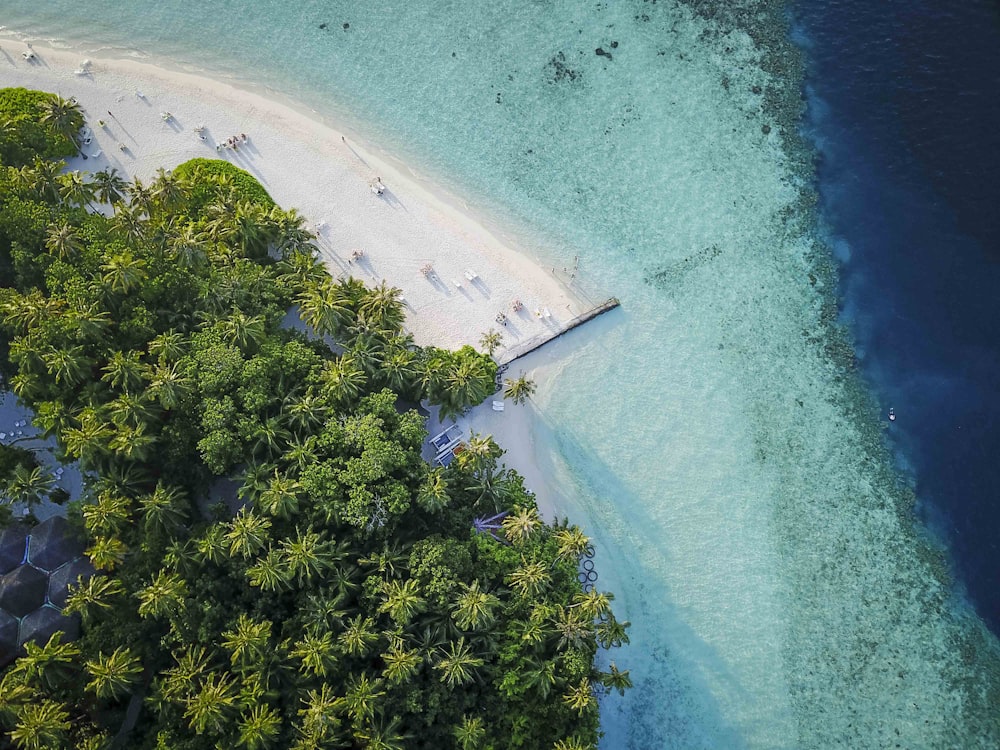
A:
{"x": 537, "y": 342}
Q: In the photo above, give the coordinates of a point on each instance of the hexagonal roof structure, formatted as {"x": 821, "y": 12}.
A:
{"x": 41, "y": 624}
{"x": 8, "y": 637}
{"x": 23, "y": 590}
{"x": 60, "y": 580}
{"x": 13, "y": 541}
{"x": 52, "y": 543}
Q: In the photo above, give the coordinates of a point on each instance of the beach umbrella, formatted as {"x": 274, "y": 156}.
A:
{"x": 41, "y": 624}
{"x": 23, "y": 590}
{"x": 8, "y": 637}
{"x": 52, "y": 543}
{"x": 12, "y": 543}
{"x": 66, "y": 575}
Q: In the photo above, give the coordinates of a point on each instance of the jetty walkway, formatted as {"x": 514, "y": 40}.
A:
{"x": 537, "y": 342}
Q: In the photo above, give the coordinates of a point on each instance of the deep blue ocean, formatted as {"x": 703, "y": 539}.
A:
{"x": 904, "y": 108}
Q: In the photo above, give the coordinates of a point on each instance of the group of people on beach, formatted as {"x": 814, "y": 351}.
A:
{"x": 233, "y": 142}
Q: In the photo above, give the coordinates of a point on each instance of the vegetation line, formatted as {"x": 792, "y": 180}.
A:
{"x": 344, "y": 593}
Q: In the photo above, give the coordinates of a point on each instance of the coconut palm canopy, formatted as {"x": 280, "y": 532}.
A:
{"x": 65, "y": 576}
{"x": 52, "y": 544}
{"x": 23, "y": 590}
{"x": 12, "y": 544}
{"x": 43, "y": 623}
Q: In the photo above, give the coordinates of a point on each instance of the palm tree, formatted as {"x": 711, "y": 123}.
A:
{"x": 573, "y": 543}
{"x": 168, "y": 385}
{"x": 63, "y": 116}
{"x": 91, "y": 322}
{"x": 433, "y": 495}
{"x": 381, "y": 308}
{"x": 162, "y": 511}
{"x": 457, "y": 664}
{"x": 474, "y": 608}
{"x": 166, "y": 189}
{"x": 611, "y": 633}
{"x": 573, "y": 743}
{"x": 67, "y": 366}
{"x": 63, "y": 241}
{"x": 358, "y": 636}
{"x": 594, "y": 603}
{"x": 398, "y": 369}
{"x": 581, "y": 697}
{"x": 359, "y": 702}
{"x": 615, "y": 679}
{"x": 289, "y": 233}
{"x": 316, "y": 652}
{"x": 168, "y": 346}
{"x": 29, "y": 486}
{"x": 248, "y": 533}
{"x": 188, "y": 248}
{"x": 130, "y": 221}
{"x": 401, "y": 664}
{"x": 209, "y": 709}
{"x": 111, "y": 676}
{"x": 245, "y": 331}
{"x": 269, "y": 573}
{"x": 343, "y": 379}
{"x": 123, "y": 272}
{"x": 109, "y": 515}
{"x": 91, "y": 594}
{"x": 302, "y": 270}
{"x": 50, "y": 665}
{"x": 90, "y": 440}
{"x": 519, "y": 390}
{"x": 402, "y": 600}
{"x": 141, "y": 198}
{"x": 519, "y": 526}
{"x": 323, "y": 307}
{"x": 248, "y": 642}
{"x": 259, "y": 729}
{"x": 74, "y": 190}
{"x": 211, "y": 545}
{"x": 43, "y": 177}
{"x": 107, "y": 552}
{"x": 108, "y": 186}
{"x": 123, "y": 371}
{"x": 132, "y": 442}
{"x": 306, "y": 556}
{"x": 470, "y": 733}
{"x": 301, "y": 452}
{"x": 320, "y": 725}
{"x": 163, "y": 596}
{"x": 530, "y": 579}
{"x": 41, "y": 725}
{"x": 573, "y": 627}
{"x": 491, "y": 341}
{"x": 281, "y": 498}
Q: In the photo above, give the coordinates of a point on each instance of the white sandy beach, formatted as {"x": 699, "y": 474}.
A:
{"x": 310, "y": 166}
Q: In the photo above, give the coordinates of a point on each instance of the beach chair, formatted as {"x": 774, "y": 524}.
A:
{"x": 471, "y": 275}
{"x": 498, "y": 406}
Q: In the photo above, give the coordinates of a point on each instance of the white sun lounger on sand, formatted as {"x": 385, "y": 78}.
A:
{"x": 498, "y": 406}
{"x": 471, "y": 275}
{"x": 457, "y": 283}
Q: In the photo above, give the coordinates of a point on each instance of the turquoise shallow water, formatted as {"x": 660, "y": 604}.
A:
{"x": 732, "y": 473}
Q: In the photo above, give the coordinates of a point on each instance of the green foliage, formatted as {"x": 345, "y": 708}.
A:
{"x": 328, "y": 590}
{"x": 243, "y": 184}
{"x": 35, "y": 123}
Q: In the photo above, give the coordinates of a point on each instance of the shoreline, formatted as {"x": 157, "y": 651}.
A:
{"x": 313, "y": 167}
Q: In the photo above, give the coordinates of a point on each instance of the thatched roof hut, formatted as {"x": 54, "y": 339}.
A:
{"x": 52, "y": 543}
{"x": 13, "y": 541}
{"x": 23, "y": 590}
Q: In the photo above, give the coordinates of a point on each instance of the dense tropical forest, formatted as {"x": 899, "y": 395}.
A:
{"x": 342, "y": 596}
